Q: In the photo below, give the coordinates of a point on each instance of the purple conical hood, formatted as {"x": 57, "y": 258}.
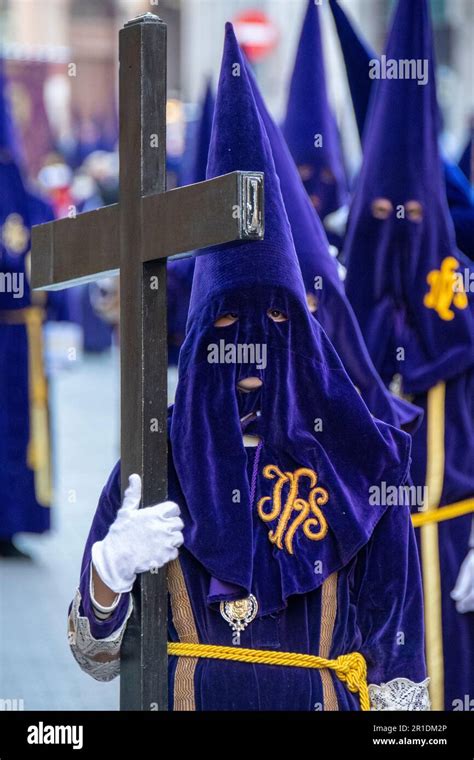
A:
{"x": 309, "y": 120}
{"x": 405, "y": 117}
{"x": 357, "y": 57}
{"x": 204, "y": 135}
{"x": 311, "y": 243}
{"x": 198, "y": 150}
{"x": 239, "y": 142}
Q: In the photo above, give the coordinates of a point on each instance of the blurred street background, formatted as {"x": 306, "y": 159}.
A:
{"x": 60, "y": 61}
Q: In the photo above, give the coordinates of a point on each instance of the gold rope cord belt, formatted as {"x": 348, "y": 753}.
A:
{"x": 449, "y": 512}
{"x": 38, "y": 458}
{"x": 351, "y": 668}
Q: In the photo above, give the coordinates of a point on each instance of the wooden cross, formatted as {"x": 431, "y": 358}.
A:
{"x": 135, "y": 237}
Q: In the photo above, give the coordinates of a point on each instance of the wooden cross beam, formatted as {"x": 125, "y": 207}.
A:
{"x": 135, "y": 237}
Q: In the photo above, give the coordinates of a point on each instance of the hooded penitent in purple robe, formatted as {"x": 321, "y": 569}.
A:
{"x": 310, "y": 128}
{"x": 409, "y": 286}
{"x": 180, "y": 272}
{"x": 283, "y": 533}
{"x": 358, "y": 59}
{"x": 24, "y": 430}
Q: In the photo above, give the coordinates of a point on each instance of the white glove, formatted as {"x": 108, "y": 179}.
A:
{"x": 138, "y": 540}
{"x": 463, "y": 591}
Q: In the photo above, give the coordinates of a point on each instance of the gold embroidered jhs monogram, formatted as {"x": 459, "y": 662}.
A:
{"x": 445, "y": 289}
{"x": 306, "y": 511}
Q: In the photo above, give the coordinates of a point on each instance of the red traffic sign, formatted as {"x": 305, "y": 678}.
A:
{"x": 256, "y": 33}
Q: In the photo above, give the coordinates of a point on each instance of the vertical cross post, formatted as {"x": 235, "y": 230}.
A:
{"x": 144, "y": 671}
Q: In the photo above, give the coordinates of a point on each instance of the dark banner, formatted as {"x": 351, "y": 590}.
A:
{"x": 382, "y": 734}
{"x": 26, "y": 89}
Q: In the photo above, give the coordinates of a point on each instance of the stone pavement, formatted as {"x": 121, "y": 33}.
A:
{"x": 36, "y": 665}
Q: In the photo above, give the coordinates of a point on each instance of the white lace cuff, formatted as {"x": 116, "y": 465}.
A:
{"x": 100, "y": 658}
{"x": 400, "y": 694}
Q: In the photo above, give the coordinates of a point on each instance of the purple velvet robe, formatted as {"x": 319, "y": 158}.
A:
{"x": 372, "y": 605}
